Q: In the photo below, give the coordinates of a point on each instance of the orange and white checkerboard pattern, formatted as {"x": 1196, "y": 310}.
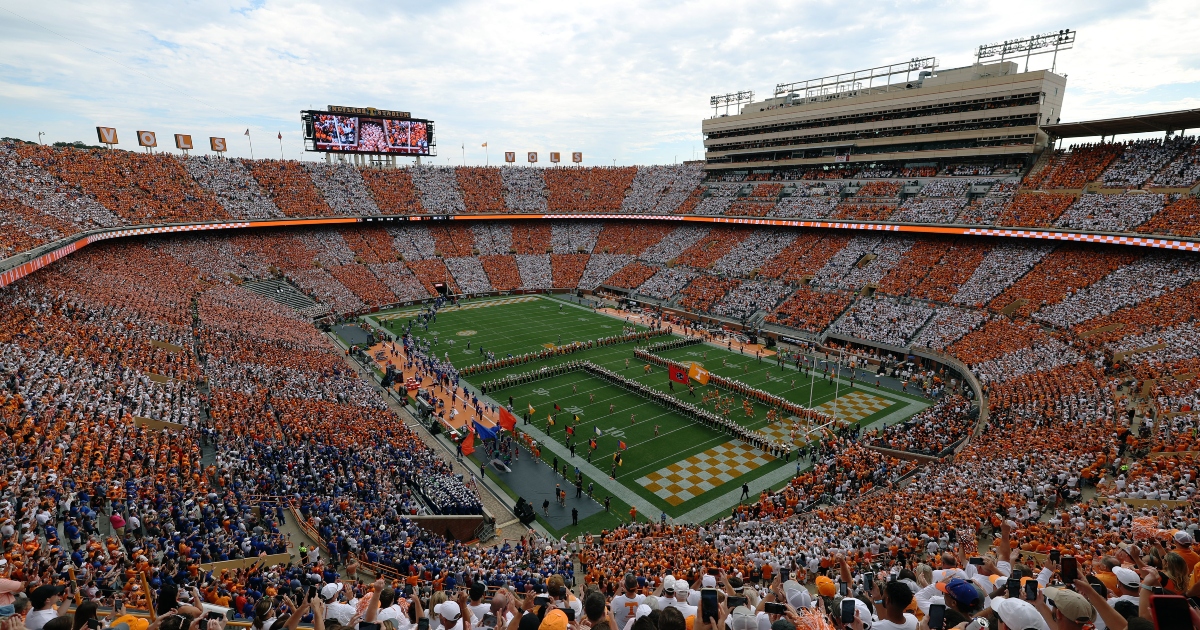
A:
{"x": 855, "y": 406}
{"x": 705, "y": 471}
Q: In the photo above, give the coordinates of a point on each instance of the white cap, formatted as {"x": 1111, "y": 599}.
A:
{"x": 330, "y": 591}
{"x": 708, "y": 581}
{"x": 642, "y": 611}
{"x": 669, "y": 583}
{"x": 448, "y": 609}
{"x": 1127, "y": 577}
{"x": 1183, "y": 538}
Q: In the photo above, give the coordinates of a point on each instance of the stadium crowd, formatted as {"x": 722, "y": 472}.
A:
{"x": 158, "y": 416}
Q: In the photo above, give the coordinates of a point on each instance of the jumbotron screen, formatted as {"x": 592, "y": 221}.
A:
{"x": 341, "y": 133}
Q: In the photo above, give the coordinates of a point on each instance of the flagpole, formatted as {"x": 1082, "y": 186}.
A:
{"x": 280, "y": 146}
{"x": 251, "y": 141}
{"x": 837, "y": 383}
{"x": 486, "y": 159}
{"x": 464, "y": 150}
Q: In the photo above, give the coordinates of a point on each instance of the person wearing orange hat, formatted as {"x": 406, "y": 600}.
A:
{"x": 555, "y": 619}
{"x": 826, "y": 587}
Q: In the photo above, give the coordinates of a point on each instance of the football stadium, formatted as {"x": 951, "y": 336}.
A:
{"x": 903, "y": 347}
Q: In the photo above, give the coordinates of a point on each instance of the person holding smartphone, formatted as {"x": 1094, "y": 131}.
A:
{"x": 892, "y": 616}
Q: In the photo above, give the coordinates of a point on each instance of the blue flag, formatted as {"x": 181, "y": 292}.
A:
{"x": 483, "y": 432}
{"x": 597, "y": 431}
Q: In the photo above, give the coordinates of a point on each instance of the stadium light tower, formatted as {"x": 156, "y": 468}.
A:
{"x": 736, "y": 99}
{"x": 1035, "y": 45}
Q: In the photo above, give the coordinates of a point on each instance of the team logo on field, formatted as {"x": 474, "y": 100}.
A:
{"x": 465, "y": 333}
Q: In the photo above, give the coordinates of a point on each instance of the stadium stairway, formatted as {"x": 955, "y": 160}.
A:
{"x": 283, "y": 292}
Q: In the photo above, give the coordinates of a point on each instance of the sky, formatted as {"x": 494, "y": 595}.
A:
{"x": 623, "y": 82}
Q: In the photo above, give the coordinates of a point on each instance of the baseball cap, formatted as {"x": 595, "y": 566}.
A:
{"x": 743, "y": 619}
{"x": 131, "y": 622}
{"x": 7, "y": 611}
{"x": 961, "y": 590}
{"x": 1183, "y": 538}
{"x": 1018, "y": 614}
{"x": 451, "y": 611}
{"x": 1127, "y": 577}
{"x": 708, "y": 581}
{"x": 1072, "y": 605}
{"x": 555, "y": 619}
{"x": 825, "y": 586}
{"x": 642, "y": 611}
{"x": 796, "y": 595}
{"x": 669, "y": 584}
{"x": 41, "y": 594}
{"x": 330, "y": 591}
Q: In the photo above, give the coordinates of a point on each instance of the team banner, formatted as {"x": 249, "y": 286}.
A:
{"x": 508, "y": 421}
{"x": 107, "y": 135}
{"x": 678, "y": 374}
{"x": 698, "y": 373}
{"x": 147, "y": 139}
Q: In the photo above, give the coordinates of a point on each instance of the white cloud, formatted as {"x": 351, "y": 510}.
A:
{"x": 618, "y": 80}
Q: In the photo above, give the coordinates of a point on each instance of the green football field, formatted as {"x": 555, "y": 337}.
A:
{"x": 670, "y": 464}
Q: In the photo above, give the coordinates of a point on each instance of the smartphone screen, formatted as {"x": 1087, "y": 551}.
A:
{"x": 714, "y": 571}
{"x": 1069, "y": 569}
{"x": 843, "y": 589}
{"x": 937, "y": 616}
{"x": 422, "y": 624}
{"x": 734, "y": 602}
{"x": 1055, "y": 555}
{"x": 785, "y": 575}
{"x": 1014, "y": 586}
{"x": 868, "y": 581}
{"x": 368, "y": 625}
{"x": 1031, "y": 590}
{"x": 541, "y": 600}
{"x": 847, "y": 611}
{"x": 708, "y": 604}
{"x": 977, "y": 561}
{"x": 771, "y": 608}
{"x": 1170, "y": 611}
{"x": 570, "y": 613}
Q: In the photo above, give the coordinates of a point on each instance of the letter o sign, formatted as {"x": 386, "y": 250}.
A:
{"x": 147, "y": 139}
{"x": 532, "y": 157}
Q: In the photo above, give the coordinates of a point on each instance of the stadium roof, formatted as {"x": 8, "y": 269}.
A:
{"x": 1168, "y": 121}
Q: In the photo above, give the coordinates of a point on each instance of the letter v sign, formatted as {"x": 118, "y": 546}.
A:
{"x": 107, "y": 135}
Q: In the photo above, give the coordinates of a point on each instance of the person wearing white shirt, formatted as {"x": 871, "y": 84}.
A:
{"x": 624, "y": 604}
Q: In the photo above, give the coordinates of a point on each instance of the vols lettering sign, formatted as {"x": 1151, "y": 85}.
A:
{"x": 532, "y": 157}
{"x": 510, "y": 156}
{"x": 554, "y": 156}
{"x": 107, "y": 135}
{"x": 147, "y": 139}
{"x": 577, "y": 157}
{"x": 183, "y": 141}
{"x": 217, "y": 144}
